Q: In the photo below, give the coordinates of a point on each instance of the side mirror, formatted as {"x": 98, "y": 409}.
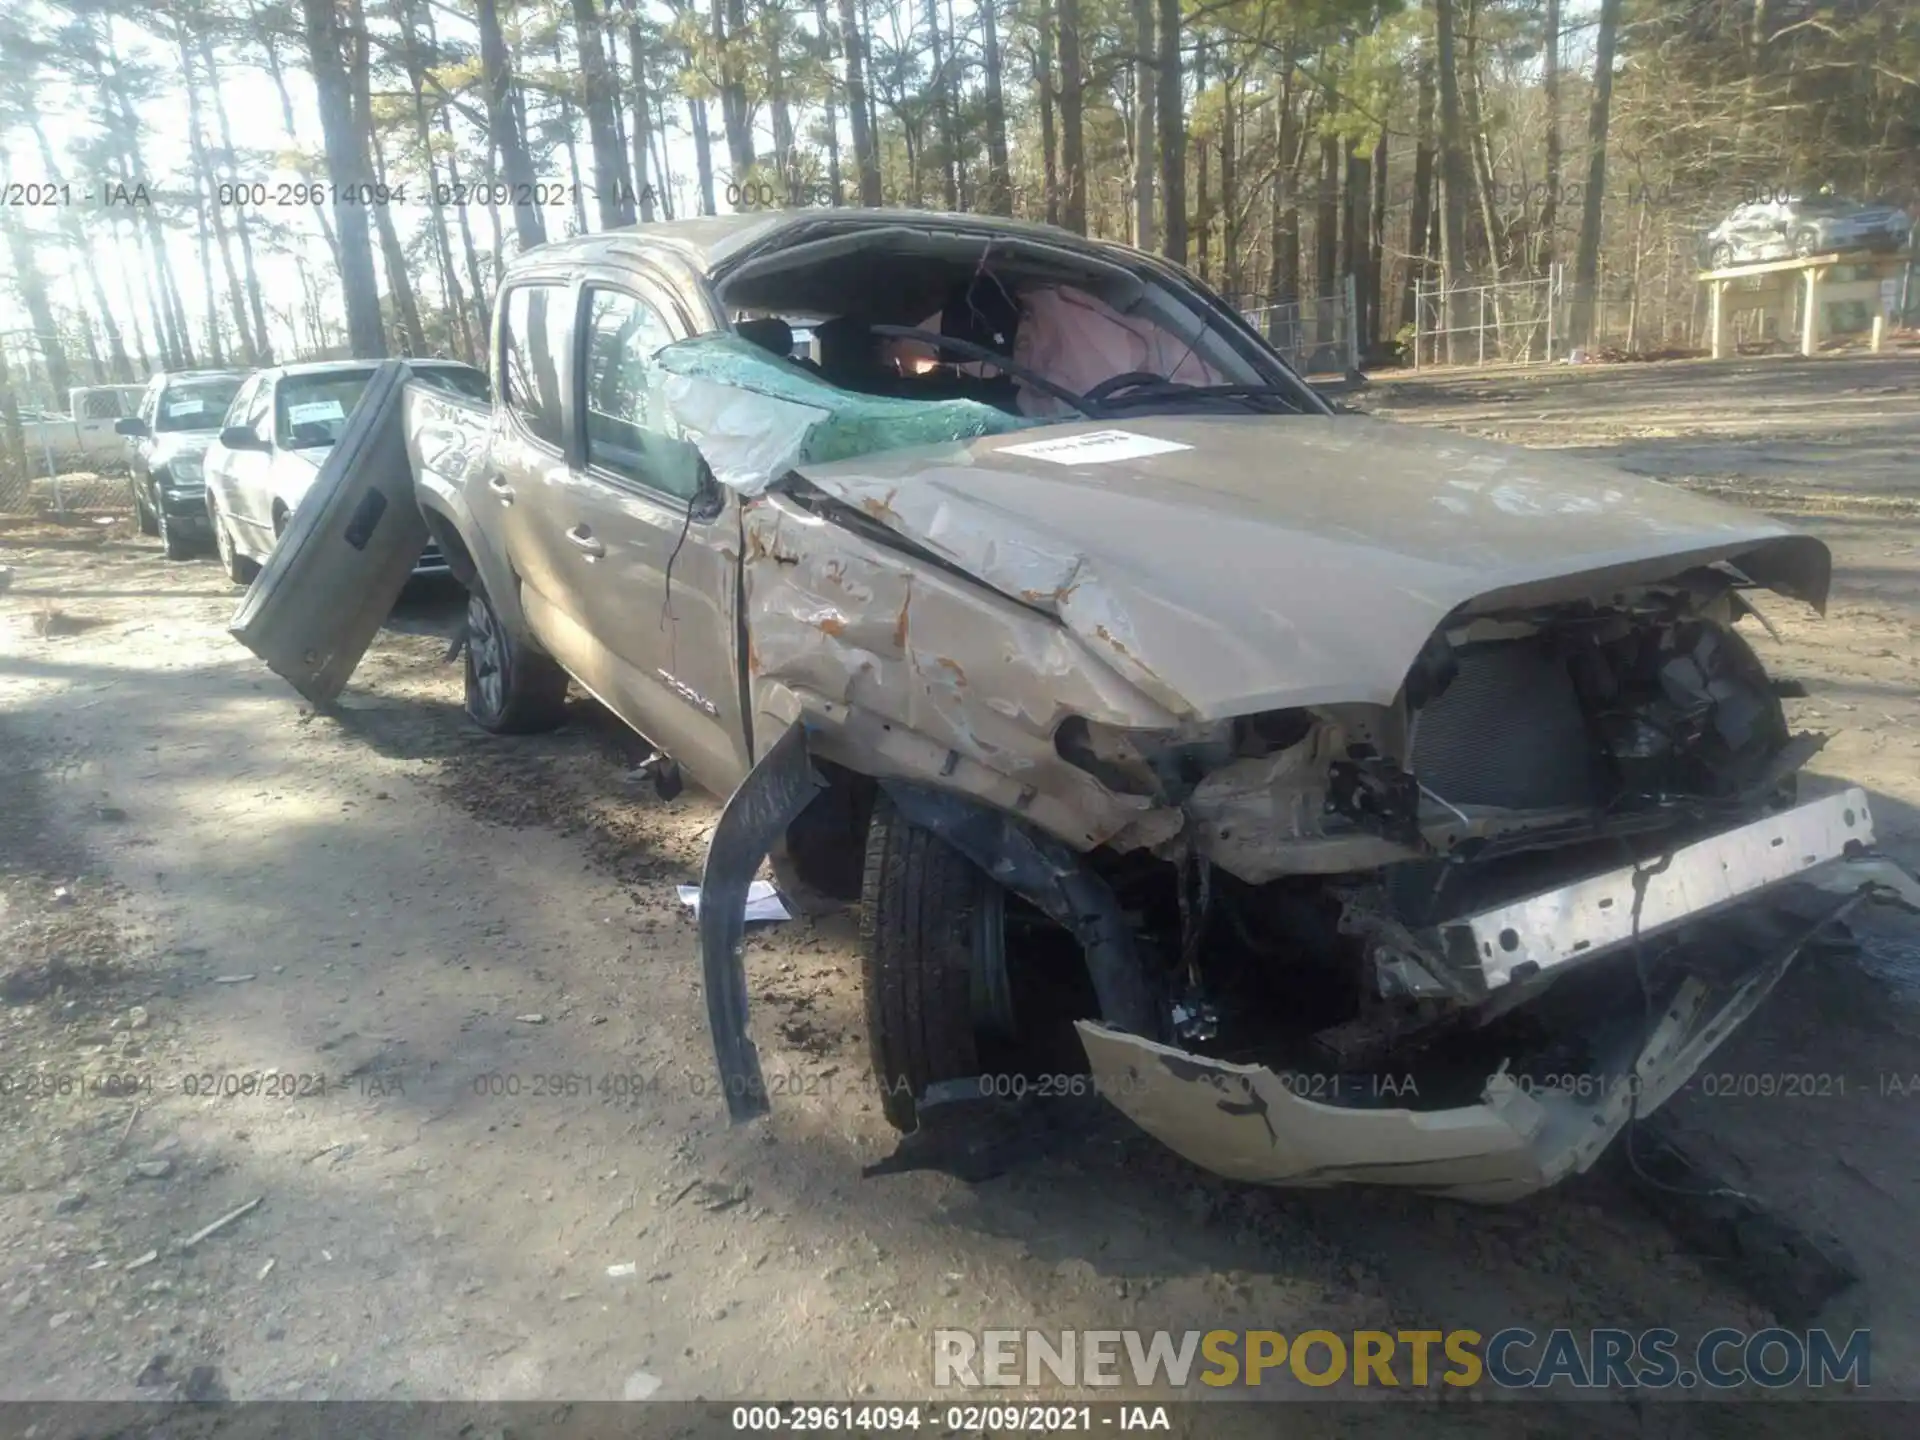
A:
{"x": 131, "y": 425}
{"x": 239, "y": 437}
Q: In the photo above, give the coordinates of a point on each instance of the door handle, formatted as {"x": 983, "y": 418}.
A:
{"x": 581, "y": 538}
{"x": 498, "y": 484}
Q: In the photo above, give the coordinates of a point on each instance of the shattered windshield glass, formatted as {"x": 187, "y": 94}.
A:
{"x": 754, "y": 416}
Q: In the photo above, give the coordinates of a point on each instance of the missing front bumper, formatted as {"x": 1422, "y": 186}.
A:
{"x": 1526, "y": 939}
{"x": 1277, "y": 1127}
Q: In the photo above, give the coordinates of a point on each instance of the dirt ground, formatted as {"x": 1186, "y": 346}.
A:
{"x": 425, "y": 1000}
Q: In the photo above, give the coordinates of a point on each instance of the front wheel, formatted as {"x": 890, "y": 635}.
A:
{"x": 240, "y": 570}
{"x": 178, "y": 545}
{"x": 928, "y": 921}
{"x": 1805, "y": 243}
{"x": 148, "y": 524}
{"x": 1720, "y": 257}
{"x": 512, "y": 689}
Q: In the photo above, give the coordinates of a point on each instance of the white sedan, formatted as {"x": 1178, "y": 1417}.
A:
{"x": 278, "y": 431}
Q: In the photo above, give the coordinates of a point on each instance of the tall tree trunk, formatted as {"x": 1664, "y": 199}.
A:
{"x": 1171, "y": 103}
{"x": 503, "y": 125}
{"x": 394, "y": 258}
{"x": 1479, "y": 148}
{"x": 942, "y": 88}
{"x": 641, "y": 131}
{"x": 209, "y": 185}
{"x": 1230, "y": 272}
{"x": 1326, "y": 238}
{"x": 1073, "y": 142}
{"x": 33, "y": 294}
{"x": 1356, "y": 194}
{"x": 482, "y": 310}
{"x": 261, "y": 345}
{"x": 275, "y": 70}
{"x": 569, "y": 129}
{"x": 437, "y": 212}
{"x": 77, "y": 238}
{"x": 1202, "y": 154}
{"x": 866, "y": 159}
{"x": 662, "y": 161}
{"x": 1587, "y": 259}
{"x": 614, "y": 201}
{"x": 999, "y": 196}
{"x": 1453, "y": 162}
{"x": 824, "y": 40}
{"x": 1144, "y": 67}
{"x": 166, "y": 339}
{"x": 118, "y": 250}
{"x": 729, "y": 35}
{"x": 125, "y": 124}
{"x": 1420, "y": 216}
{"x": 702, "y": 153}
{"x": 1283, "y": 274}
{"x": 828, "y": 102}
{"x": 336, "y": 46}
{"x": 772, "y": 19}
{"x": 1371, "y": 290}
{"x": 209, "y": 297}
{"x": 1049, "y": 163}
{"x": 13, "y": 439}
{"x": 1550, "y": 97}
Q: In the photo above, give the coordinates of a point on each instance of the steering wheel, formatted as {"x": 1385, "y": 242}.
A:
{"x": 1130, "y": 380}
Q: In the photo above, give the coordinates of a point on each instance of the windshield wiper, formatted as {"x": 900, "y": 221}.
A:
{"x": 1272, "y": 399}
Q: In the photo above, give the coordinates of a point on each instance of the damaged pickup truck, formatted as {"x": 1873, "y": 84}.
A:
{"x": 1355, "y": 802}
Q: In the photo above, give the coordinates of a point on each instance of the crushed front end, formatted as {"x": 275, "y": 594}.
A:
{"x": 1421, "y": 816}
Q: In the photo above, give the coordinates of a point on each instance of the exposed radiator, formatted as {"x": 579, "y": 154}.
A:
{"x": 1508, "y": 732}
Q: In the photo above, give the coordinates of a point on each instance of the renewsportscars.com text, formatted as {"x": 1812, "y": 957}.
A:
{"x": 1515, "y": 1358}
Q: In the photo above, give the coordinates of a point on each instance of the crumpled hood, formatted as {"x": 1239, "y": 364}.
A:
{"x": 1232, "y": 564}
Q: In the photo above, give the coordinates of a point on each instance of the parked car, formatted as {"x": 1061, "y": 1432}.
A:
{"x": 1346, "y": 800}
{"x": 84, "y": 433}
{"x": 167, "y": 437}
{"x": 278, "y": 429}
{"x": 1776, "y": 229}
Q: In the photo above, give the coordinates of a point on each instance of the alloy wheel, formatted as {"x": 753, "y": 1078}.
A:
{"x": 486, "y": 653}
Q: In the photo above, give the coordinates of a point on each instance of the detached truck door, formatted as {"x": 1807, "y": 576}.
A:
{"x": 331, "y": 582}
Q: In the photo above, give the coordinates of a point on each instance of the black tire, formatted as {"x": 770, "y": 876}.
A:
{"x": 512, "y": 689}
{"x": 819, "y": 865}
{"x": 149, "y": 525}
{"x": 1805, "y": 243}
{"x": 240, "y": 569}
{"x": 178, "y": 546}
{"x": 1720, "y": 257}
{"x": 920, "y": 902}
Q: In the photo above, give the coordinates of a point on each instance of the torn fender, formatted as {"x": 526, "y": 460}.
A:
{"x": 776, "y": 790}
{"x": 1253, "y": 1123}
{"x": 1044, "y": 872}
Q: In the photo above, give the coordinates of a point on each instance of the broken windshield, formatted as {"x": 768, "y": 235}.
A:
{"x": 1030, "y": 325}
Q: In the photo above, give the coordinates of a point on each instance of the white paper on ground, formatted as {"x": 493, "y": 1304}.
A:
{"x": 763, "y": 901}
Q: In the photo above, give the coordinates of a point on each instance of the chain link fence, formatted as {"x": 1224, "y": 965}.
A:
{"x": 55, "y": 484}
{"x": 1318, "y": 335}
{"x": 1514, "y": 322}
